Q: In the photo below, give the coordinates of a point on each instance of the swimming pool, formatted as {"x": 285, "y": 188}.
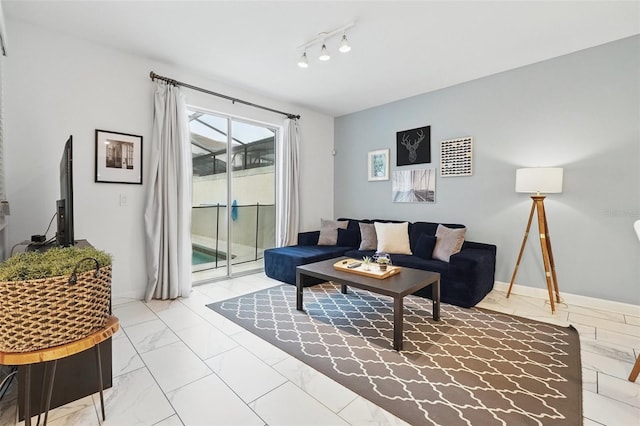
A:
{"x": 201, "y": 255}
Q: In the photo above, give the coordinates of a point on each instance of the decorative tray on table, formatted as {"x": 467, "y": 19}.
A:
{"x": 374, "y": 271}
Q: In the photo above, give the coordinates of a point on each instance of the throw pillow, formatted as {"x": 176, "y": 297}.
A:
{"x": 369, "y": 240}
{"x": 348, "y": 238}
{"x": 393, "y": 237}
{"x": 424, "y": 246}
{"x": 448, "y": 242}
{"x": 329, "y": 231}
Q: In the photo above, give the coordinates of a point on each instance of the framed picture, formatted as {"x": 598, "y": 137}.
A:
{"x": 456, "y": 157}
{"x": 378, "y": 165}
{"x": 414, "y": 186}
{"x": 118, "y": 157}
{"x": 413, "y": 146}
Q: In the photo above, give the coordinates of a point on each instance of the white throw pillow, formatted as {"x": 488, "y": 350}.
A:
{"x": 448, "y": 242}
{"x": 393, "y": 237}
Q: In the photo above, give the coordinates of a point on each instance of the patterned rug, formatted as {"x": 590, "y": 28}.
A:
{"x": 474, "y": 367}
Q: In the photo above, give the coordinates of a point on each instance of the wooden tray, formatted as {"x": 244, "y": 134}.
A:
{"x": 374, "y": 272}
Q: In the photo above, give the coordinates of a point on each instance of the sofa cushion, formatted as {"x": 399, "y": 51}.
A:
{"x": 393, "y": 237}
{"x": 309, "y": 238}
{"x": 418, "y": 263}
{"x": 280, "y": 263}
{"x": 368, "y": 238}
{"x": 329, "y": 231}
{"x": 448, "y": 242}
{"x": 424, "y": 246}
{"x": 348, "y": 238}
{"x": 418, "y": 228}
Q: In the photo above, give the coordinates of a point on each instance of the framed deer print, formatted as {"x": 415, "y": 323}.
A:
{"x": 413, "y": 146}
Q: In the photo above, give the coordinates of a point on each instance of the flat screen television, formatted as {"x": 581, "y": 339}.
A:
{"x": 64, "y": 234}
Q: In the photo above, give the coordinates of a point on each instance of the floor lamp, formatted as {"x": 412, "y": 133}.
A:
{"x": 546, "y": 180}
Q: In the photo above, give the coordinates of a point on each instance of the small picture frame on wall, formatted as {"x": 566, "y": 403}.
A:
{"x": 456, "y": 157}
{"x": 413, "y": 146}
{"x": 118, "y": 157}
{"x": 378, "y": 165}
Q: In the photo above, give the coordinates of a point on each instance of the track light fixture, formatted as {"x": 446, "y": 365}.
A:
{"x": 323, "y": 37}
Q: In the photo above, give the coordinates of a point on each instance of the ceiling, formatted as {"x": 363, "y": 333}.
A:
{"x": 399, "y": 48}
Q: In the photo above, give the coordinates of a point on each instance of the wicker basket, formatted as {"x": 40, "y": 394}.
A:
{"x": 37, "y": 314}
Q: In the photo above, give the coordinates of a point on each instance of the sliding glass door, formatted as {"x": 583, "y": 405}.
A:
{"x": 233, "y": 213}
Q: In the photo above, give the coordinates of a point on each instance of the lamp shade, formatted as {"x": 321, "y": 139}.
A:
{"x": 547, "y": 180}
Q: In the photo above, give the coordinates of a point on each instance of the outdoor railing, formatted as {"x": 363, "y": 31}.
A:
{"x": 253, "y": 231}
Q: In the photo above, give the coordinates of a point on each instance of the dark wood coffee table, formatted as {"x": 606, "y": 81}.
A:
{"x": 396, "y": 286}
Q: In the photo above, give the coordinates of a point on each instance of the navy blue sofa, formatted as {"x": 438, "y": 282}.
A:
{"x": 464, "y": 281}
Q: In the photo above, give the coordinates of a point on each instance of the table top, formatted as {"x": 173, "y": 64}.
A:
{"x": 405, "y": 282}
{"x": 62, "y": 351}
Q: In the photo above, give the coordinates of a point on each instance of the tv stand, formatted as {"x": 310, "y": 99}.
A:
{"x": 47, "y": 245}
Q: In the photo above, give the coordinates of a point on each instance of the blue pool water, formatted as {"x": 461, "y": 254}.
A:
{"x": 199, "y": 256}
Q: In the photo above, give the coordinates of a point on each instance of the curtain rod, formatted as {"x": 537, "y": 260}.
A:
{"x": 155, "y": 76}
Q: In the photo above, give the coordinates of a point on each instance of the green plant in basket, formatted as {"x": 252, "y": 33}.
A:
{"x": 53, "y": 298}
{"x": 53, "y": 262}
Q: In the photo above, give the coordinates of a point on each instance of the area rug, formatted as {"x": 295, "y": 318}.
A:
{"x": 474, "y": 367}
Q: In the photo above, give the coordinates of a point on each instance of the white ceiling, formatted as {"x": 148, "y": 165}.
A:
{"x": 400, "y": 48}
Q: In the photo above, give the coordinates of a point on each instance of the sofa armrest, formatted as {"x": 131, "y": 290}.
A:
{"x": 476, "y": 265}
{"x": 308, "y": 238}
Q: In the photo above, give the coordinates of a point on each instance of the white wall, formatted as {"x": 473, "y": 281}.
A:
{"x": 580, "y": 111}
{"x": 57, "y": 86}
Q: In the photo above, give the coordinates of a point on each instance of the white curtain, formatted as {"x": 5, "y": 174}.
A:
{"x": 287, "y": 178}
{"x": 168, "y": 205}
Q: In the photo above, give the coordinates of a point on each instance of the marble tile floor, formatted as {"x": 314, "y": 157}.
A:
{"x": 179, "y": 363}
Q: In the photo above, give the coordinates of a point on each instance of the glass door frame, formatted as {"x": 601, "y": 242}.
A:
{"x": 230, "y": 119}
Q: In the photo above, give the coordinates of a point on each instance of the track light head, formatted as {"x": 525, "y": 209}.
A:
{"x": 324, "y": 53}
{"x": 344, "y": 44}
{"x": 303, "y": 62}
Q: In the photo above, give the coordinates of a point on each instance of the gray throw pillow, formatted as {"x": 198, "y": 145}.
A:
{"x": 448, "y": 242}
{"x": 329, "y": 231}
{"x": 368, "y": 236}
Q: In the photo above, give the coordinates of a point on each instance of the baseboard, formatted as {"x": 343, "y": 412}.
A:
{"x": 572, "y": 299}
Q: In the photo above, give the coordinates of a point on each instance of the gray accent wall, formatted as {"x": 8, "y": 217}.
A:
{"x": 580, "y": 112}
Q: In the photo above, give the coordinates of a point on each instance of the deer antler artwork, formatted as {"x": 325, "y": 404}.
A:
{"x": 413, "y": 146}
